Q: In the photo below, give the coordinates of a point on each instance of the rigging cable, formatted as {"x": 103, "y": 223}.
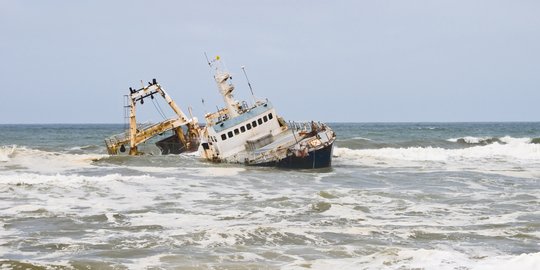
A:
{"x": 158, "y": 108}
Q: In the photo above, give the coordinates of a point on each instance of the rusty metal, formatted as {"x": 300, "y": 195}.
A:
{"x": 137, "y": 134}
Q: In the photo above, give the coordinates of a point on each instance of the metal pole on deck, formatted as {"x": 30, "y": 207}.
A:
{"x": 249, "y": 84}
{"x": 292, "y": 129}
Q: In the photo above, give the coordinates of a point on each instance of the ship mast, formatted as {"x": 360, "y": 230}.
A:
{"x": 226, "y": 87}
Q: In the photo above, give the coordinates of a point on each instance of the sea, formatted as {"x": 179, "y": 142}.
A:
{"x": 398, "y": 196}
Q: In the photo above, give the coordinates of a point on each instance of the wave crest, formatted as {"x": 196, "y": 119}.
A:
{"x": 44, "y": 161}
{"x": 6, "y": 152}
{"x": 490, "y": 140}
{"x": 511, "y": 155}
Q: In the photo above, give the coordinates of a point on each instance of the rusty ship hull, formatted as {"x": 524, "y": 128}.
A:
{"x": 315, "y": 159}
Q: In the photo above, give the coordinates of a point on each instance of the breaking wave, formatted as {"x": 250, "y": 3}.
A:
{"x": 476, "y": 140}
{"x": 6, "y": 152}
{"x": 515, "y": 148}
{"x": 489, "y": 140}
{"x": 510, "y": 154}
{"x": 23, "y": 158}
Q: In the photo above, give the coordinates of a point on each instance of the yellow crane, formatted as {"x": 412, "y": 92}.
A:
{"x": 136, "y": 135}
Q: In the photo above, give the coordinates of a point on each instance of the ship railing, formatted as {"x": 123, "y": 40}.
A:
{"x": 306, "y": 126}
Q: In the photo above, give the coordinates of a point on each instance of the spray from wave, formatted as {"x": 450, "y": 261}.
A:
{"x": 6, "y": 152}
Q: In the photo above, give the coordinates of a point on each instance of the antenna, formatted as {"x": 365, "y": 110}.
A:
{"x": 249, "y": 84}
{"x": 208, "y": 61}
{"x": 204, "y": 106}
{"x": 190, "y": 112}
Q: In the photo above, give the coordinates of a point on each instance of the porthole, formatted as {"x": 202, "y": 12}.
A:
{"x": 223, "y": 137}
{"x": 230, "y": 134}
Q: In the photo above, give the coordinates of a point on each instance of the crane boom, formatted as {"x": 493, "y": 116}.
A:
{"x": 136, "y": 135}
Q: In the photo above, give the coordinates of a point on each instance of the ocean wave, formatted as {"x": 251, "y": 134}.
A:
{"x": 358, "y": 138}
{"x": 6, "y": 152}
{"x": 490, "y": 140}
{"x": 395, "y": 258}
{"x": 475, "y": 140}
{"x": 514, "y": 153}
{"x": 24, "y": 158}
{"x": 64, "y": 180}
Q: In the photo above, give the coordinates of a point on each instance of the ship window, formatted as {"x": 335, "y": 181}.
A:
{"x": 248, "y": 126}
{"x": 265, "y": 118}
{"x": 270, "y": 116}
{"x": 260, "y": 121}
{"x": 230, "y": 134}
{"x": 243, "y": 129}
{"x": 223, "y": 137}
{"x": 254, "y": 124}
{"x": 236, "y": 132}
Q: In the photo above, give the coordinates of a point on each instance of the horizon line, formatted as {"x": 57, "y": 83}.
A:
{"x": 329, "y": 122}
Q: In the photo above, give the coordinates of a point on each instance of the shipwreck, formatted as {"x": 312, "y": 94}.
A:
{"x": 254, "y": 135}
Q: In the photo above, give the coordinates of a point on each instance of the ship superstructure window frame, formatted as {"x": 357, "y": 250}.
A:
{"x": 244, "y": 128}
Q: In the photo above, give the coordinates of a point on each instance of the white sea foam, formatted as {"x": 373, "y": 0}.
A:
{"x": 478, "y": 140}
{"x": 43, "y": 161}
{"x": 239, "y": 215}
{"x": 217, "y": 171}
{"x": 149, "y": 262}
{"x": 470, "y": 139}
{"x": 394, "y": 258}
{"x": 361, "y": 138}
{"x": 6, "y": 152}
{"x": 495, "y": 158}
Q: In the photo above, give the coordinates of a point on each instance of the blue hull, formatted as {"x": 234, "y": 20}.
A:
{"x": 320, "y": 158}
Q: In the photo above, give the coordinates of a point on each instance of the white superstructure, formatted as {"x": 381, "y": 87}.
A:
{"x": 256, "y": 135}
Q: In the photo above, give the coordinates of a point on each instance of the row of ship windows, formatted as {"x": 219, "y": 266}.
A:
{"x": 249, "y": 126}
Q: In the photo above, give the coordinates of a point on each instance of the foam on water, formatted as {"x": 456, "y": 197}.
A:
{"x": 6, "y": 152}
{"x": 388, "y": 208}
{"x": 34, "y": 160}
{"x": 425, "y": 259}
{"x": 515, "y": 157}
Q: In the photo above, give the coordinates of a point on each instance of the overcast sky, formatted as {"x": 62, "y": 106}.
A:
{"x": 338, "y": 61}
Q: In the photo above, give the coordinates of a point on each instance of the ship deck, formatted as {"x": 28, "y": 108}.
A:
{"x": 277, "y": 149}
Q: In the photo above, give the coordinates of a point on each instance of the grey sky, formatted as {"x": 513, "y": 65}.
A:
{"x": 354, "y": 61}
